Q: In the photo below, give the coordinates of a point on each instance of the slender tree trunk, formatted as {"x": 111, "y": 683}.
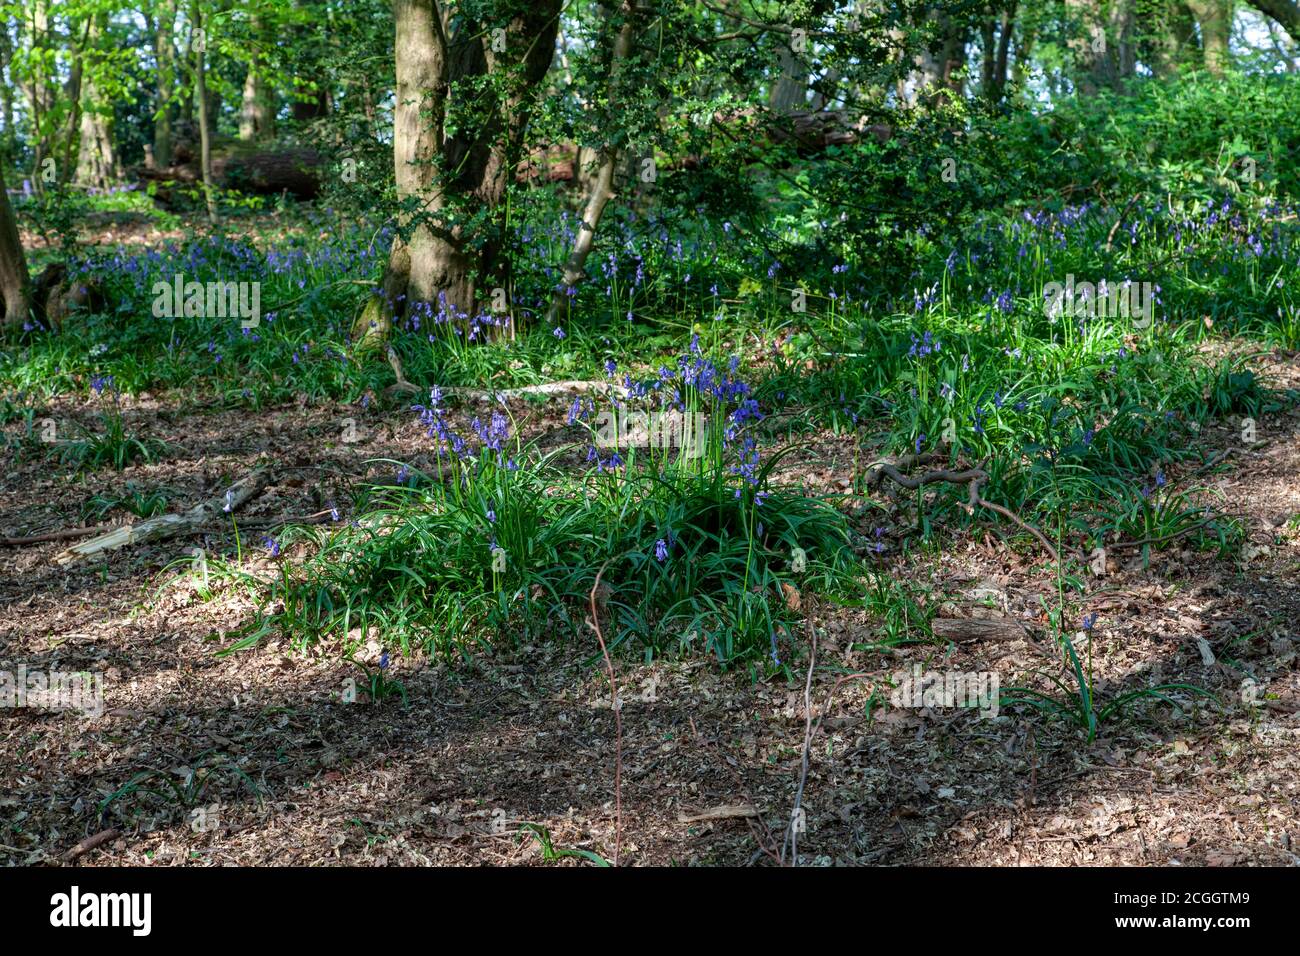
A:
{"x": 165, "y": 58}
{"x": 72, "y": 93}
{"x": 602, "y": 186}
{"x": 9, "y": 139}
{"x": 40, "y": 87}
{"x": 15, "y": 283}
{"x": 1004, "y": 50}
{"x": 201, "y": 95}
{"x": 987, "y": 58}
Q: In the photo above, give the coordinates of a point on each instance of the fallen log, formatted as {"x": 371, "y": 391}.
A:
{"x": 297, "y": 170}
{"x": 960, "y": 630}
{"x": 171, "y": 525}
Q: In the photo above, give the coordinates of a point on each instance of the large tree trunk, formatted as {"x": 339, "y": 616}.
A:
{"x": 445, "y": 176}
{"x": 1104, "y": 46}
{"x": 939, "y": 63}
{"x": 1215, "y": 20}
{"x": 1169, "y": 35}
{"x": 257, "y": 110}
{"x": 96, "y": 164}
{"x": 15, "y": 283}
{"x": 790, "y": 88}
{"x": 256, "y": 114}
{"x": 1089, "y": 44}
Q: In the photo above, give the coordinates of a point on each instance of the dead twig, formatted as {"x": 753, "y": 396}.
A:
{"x": 88, "y": 844}
{"x": 1120, "y": 221}
{"x": 64, "y": 534}
{"x": 792, "y": 828}
{"x": 618, "y": 720}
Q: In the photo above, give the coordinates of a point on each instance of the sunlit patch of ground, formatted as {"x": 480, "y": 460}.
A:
{"x": 259, "y": 758}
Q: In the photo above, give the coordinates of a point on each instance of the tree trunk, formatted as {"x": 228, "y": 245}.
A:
{"x": 939, "y": 63}
{"x": 165, "y": 58}
{"x": 15, "y": 283}
{"x": 257, "y": 110}
{"x": 1004, "y": 51}
{"x": 439, "y": 176}
{"x": 256, "y": 115}
{"x": 1215, "y": 20}
{"x": 1170, "y": 35}
{"x": 602, "y": 185}
{"x": 201, "y": 95}
{"x": 1090, "y": 45}
{"x": 790, "y": 89}
{"x": 96, "y": 164}
{"x": 987, "y": 58}
{"x": 40, "y": 88}
{"x": 7, "y": 83}
{"x": 72, "y": 93}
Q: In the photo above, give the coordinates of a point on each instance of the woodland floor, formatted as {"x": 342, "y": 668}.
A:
{"x": 527, "y": 735}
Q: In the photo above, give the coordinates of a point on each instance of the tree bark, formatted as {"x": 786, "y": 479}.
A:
{"x": 1004, "y": 50}
{"x": 7, "y": 84}
{"x": 165, "y": 60}
{"x": 601, "y": 189}
{"x": 15, "y": 282}
{"x": 96, "y": 162}
{"x": 257, "y": 110}
{"x": 439, "y": 176}
{"x": 201, "y": 95}
{"x": 1215, "y": 20}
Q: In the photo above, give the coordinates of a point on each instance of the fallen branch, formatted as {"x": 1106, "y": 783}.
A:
{"x": 618, "y": 720}
{"x": 88, "y": 844}
{"x": 61, "y": 535}
{"x": 737, "y": 811}
{"x": 1118, "y": 222}
{"x": 1115, "y": 546}
{"x": 170, "y": 525}
{"x": 971, "y": 477}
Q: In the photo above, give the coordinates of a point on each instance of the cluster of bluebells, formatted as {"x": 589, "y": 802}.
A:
{"x": 693, "y": 381}
{"x": 103, "y": 383}
{"x": 492, "y": 435}
{"x": 925, "y": 345}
